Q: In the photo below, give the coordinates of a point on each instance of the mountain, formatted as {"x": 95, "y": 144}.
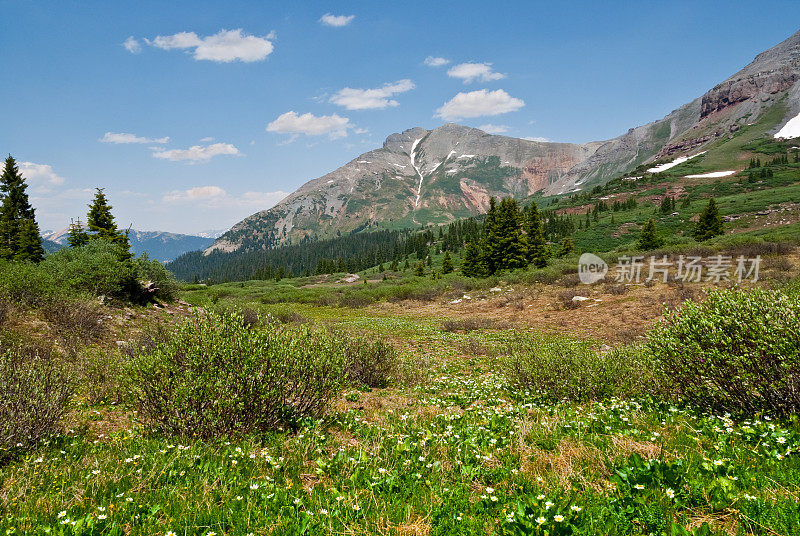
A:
{"x": 418, "y": 177}
{"x": 422, "y": 177}
{"x": 158, "y": 245}
{"x": 211, "y": 233}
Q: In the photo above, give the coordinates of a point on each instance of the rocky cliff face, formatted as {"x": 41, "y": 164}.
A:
{"x": 421, "y": 176}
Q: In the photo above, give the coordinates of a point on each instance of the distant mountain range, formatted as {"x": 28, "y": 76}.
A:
{"x": 158, "y": 245}
{"x": 422, "y": 177}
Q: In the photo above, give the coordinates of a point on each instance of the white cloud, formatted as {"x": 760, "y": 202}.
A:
{"x": 198, "y": 193}
{"x": 433, "y": 61}
{"x": 371, "y": 99}
{"x": 216, "y": 197}
{"x": 37, "y": 173}
{"x": 224, "y": 46}
{"x": 536, "y": 138}
{"x": 479, "y": 103}
{"x": 469, "y": 72}
{"x": 124, "y": 137}
{"x": 493, "y": 129}
{"x": 132, "y": 45}
{"x": 311, "y": 125}
{"x": 207, "y": 139}
{"x": 197, "y": 153}
{"x": 336, "y": 21}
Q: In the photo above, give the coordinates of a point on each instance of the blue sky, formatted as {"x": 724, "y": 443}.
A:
{"x": 258, "y": 97}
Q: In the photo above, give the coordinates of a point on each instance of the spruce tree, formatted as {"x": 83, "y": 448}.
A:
{"x": 667, "y": 205}
{"x": 508, "y": 248}
{"x": 567, "y": 247}
{"x": 19, "y": 232}
{"x": 77, "y": 235}
{"x": 473, "y": 264}
{"x": 101, "y": 222}
{"x": 537, "y": 244}
{"x": 492, "y": 255}
{"x": 648, "y": 239}
{"x": 710, "y": 223}
{"x": 447, "y": 263}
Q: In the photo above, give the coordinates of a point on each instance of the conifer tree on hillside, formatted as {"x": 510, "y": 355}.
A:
{"x": 667, "y": 204}
{"x": 473, "y": 264}
{"x": 101, "y": 222}
{"x": 508, "y": 248}
{"x": 537, "y": 244}
{"x": 447, "y": 263}
{"x": 491, "y": 254}
{"x": 77, "y": 235}
{"x": 567, "y": 247}
{"x": 648, "y": 239}
{"x": 710, "y": 223}
{"x": 19, "y": 232}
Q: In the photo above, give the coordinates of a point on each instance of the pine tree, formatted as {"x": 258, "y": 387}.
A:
{"x": 492, "y": 255}
{"x": 537, "y": 244}
{"x": 710, "y": 223}
{"x": 447, "y": 263}
{"x": 19, "y": 232}
{"x": 667, "y": 204}
{"x": 419, "y": 269}
{"x": 101, "y": 222}
{"x": 77, "y": 235}
{"x": 648, "y": 239}
{"x": 508, "y": 248}
{"x": 567, "y": 247}
{"x": 474, "y": 264}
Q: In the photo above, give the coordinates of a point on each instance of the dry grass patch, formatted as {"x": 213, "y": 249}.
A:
{"x": 377, "y": 404}
{"x": 414, "y": 525}
{"x": 624, "y": 446}
{"x": 571, "y": 462}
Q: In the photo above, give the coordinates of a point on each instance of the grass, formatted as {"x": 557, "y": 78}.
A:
{"x": 453, "y": 446}
{"x": 464, "y": 455}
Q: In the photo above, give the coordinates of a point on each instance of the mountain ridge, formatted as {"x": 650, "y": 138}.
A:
{"x": 159, "y": 245}
{"x": 420, "y": 177}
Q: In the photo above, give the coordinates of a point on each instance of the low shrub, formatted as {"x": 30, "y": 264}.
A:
{"x": 557, "y": 369}
{"x": 152, "y": 271}
{"x": 736, "y": 351}
{"x": 35, "y": 390}
{"x": 99, "y": 268}
{"x": 74, "y": 321}
{"x": 214, "y": 375}
{"x": 100, "y": 376}
{"x": 25, "y": 283}
{"x": 369, "y": 362}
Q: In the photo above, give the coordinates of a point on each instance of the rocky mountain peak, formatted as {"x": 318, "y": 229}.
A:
{"x": 401, "y": 142}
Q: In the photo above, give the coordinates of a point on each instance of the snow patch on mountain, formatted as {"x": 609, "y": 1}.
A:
{"x": 791, "y": 129}
{"x": 676, "y": 162}
{"x": 712, "y": 175}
